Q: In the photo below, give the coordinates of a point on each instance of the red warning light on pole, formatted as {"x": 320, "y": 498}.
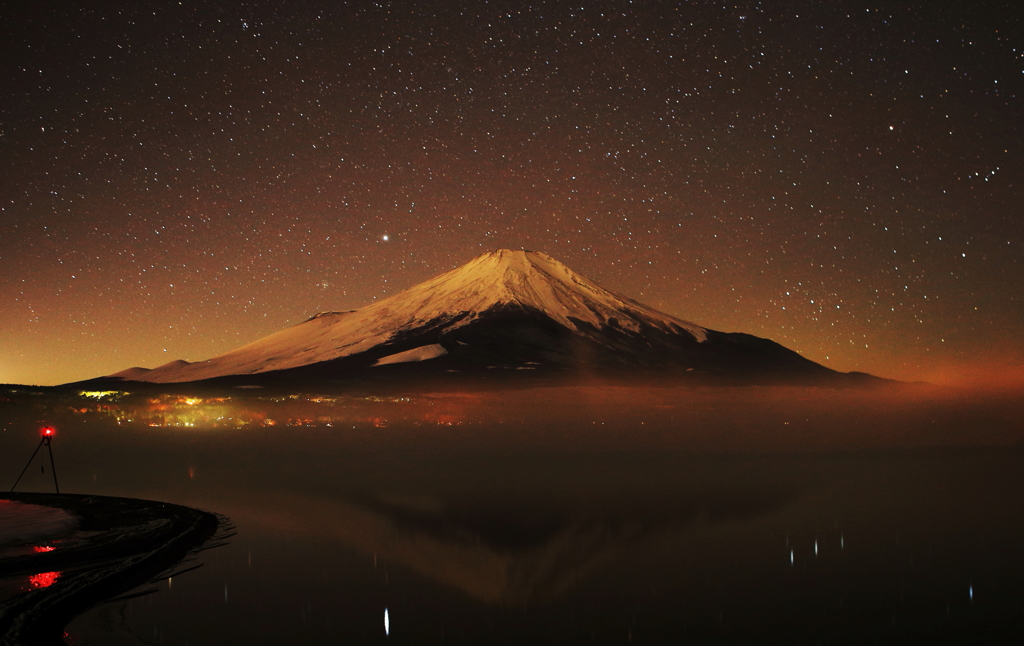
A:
{"x": 47, "y": 434}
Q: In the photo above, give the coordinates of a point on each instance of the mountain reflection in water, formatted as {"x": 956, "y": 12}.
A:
{"x": 509, "y": 556}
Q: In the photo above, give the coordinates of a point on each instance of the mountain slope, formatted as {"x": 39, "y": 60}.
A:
{"x": 505, "y": 309}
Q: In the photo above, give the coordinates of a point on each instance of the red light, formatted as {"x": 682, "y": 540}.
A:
{"x": 44, "y": 580}
{"x": 48, "y": 430}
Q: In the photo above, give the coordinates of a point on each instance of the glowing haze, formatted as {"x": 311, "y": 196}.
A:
{"x": 182, "y": 179}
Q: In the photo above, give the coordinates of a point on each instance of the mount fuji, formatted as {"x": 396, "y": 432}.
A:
{"x": 508, "y": 312}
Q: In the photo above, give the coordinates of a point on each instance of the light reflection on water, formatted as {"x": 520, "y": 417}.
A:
{"x": 486, "y": 532}
{"x": 43, "y": 579}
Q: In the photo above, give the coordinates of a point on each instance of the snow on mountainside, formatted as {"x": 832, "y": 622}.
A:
{"x": 526, "y": 280}
{"x": 422, "y": 353}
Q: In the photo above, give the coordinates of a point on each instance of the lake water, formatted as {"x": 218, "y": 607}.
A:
{"x": 560, "y": 519}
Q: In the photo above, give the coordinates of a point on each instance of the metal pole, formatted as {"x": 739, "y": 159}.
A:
{"x": 52, "y": 468}
{"x": 41, "y": 440}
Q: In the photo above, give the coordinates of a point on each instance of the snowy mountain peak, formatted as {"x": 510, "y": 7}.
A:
{"x": 532, "y": 280}
{"x": 498, "y": 281}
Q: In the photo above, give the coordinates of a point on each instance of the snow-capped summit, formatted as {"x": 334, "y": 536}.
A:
{"x": 503, "y": 309}
{"x": 526, "y": 279}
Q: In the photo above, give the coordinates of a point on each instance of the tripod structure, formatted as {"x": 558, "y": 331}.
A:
{"x": 45, "y": 439}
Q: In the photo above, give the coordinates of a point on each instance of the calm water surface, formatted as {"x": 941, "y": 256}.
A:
{"x": 478, "y": 535}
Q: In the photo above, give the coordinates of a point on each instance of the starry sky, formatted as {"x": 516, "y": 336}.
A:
{"x": 181, "y": 178}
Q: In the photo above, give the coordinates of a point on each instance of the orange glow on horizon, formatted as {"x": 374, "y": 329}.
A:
{"x": 980, "y": 376}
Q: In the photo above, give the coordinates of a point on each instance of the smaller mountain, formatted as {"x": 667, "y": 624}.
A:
{"x": 505, "y": 311}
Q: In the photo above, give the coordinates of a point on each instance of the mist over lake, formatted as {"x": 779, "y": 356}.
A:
{"x": 591, "y": 514}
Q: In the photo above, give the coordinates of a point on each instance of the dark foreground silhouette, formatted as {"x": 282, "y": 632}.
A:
{"x": 120, "y": 544}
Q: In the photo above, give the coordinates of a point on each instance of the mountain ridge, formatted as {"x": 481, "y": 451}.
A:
{"x": 502, "y": 310}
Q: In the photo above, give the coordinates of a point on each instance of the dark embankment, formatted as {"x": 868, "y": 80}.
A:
{"x": 120, "y": 544}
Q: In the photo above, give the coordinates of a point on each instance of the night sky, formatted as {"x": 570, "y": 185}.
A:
{"x": 179, "y": 179}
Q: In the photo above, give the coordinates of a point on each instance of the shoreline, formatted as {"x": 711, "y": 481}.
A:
{"x": 121, "y": 543}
